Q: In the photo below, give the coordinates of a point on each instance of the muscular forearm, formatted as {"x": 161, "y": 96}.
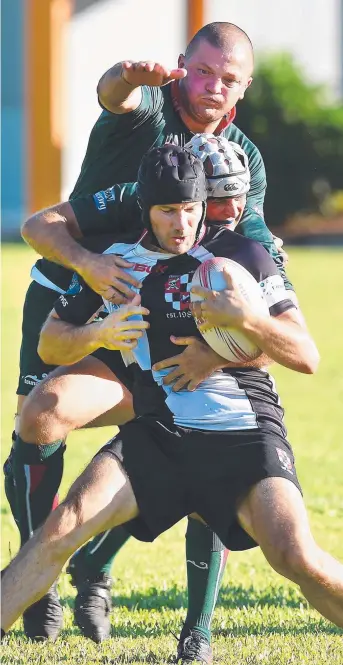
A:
{"x": 115, "y": 93}
{"x": 258, "y": 363}
{"x": 286, "y": 343}
{"x": 52, "y": 235}
{"x": 63, "y": 343}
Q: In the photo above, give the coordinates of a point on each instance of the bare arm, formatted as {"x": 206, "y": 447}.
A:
{"x": 283, "y": 338}
{"x": 52, "y": 232}
{"x": 63, "y": 343}
{"x": 119, "y": 89}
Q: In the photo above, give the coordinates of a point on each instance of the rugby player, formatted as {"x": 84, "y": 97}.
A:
{"x": 137, "y": 114}
{"x": 220, "y": 450}
{"x": 55, "y": 407}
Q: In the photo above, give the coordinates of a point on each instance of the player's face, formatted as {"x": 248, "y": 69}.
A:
{"x": 215, "y": 81}
{"x": 228, "y": 210}
{"x": 175, "y": 225}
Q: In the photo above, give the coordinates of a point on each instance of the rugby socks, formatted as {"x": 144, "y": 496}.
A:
{"x": 206, "y": 559}
{"x": 9, "y": 481}
{"x": 37, "y": 473}
{"x": 96, "y": 557}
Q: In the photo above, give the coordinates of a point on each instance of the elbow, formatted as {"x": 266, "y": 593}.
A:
{"x": 311, "y": 361}
{"x": 45, "y": 352}
{"x": 27, "y": 229}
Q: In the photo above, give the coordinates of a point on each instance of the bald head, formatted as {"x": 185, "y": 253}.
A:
{"x": 224, "y": 36}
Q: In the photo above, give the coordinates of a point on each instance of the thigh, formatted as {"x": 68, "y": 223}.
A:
{"x": 70, "y": 397}
{"x": 273, "y": 513}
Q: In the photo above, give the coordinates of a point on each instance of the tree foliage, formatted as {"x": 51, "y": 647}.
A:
{"x": 299, "y": 134}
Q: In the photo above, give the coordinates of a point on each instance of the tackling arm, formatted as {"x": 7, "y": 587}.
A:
{"x": 64, "y": 343}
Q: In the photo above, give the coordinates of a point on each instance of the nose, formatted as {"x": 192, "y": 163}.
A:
{"x": 181, "y": 221}
{"x": 231, "y": 208}
{"x": 214, "y": 85}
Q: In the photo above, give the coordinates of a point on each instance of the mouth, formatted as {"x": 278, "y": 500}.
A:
{"x": 179, "y": 239}
{"x": 212, "y": 102}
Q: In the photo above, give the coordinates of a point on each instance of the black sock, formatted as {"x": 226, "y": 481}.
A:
{"x": 37, "y": 472}
{"x": 206, "y": 559}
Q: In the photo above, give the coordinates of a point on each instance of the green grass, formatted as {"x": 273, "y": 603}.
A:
{"x": 261, "y": 618}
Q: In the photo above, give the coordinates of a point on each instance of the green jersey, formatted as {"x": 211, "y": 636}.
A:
{"x": 116, "y": 210}
{"x": 116, "y": 146}
{"x": 118, "y": 141}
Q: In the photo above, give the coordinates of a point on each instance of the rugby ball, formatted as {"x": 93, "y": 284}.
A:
{"x": 230, "y": 343}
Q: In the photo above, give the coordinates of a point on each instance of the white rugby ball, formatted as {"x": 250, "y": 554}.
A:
{"x": 230, "y": 343}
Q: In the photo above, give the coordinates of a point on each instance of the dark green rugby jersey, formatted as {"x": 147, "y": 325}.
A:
{"x": 118, "y": 142}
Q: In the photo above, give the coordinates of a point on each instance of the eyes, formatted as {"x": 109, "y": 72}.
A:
{"x": 228, "y": 82}
{"x": 169, "y": 211}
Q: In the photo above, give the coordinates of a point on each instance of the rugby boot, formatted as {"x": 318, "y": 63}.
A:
{"x": 193, "y": 647}
{"x": 93, "y": 604}
{"x": 44, "y": 620}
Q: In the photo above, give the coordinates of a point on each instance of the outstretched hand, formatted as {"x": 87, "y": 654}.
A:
{"x": 147, "y": 72}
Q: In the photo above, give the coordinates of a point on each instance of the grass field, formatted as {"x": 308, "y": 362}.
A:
{"x": 260, "y": 618}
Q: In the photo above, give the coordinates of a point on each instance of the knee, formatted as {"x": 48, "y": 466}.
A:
{"x": 295, "y": 561}
{"x": 41, "y": 411}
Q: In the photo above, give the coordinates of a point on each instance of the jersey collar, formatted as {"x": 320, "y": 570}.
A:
{"x": 176, "y": 101}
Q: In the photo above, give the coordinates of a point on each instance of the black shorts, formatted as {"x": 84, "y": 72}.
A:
{"x": 175, "y": 472}
{"x": 39, "y": 302}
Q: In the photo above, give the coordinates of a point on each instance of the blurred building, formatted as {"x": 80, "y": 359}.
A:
{"x": 54, "y": 51}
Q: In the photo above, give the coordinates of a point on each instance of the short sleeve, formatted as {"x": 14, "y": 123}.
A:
{"x": 253, "y": 226}
{"x": 113, "y": 210}
{"x": 79, "y": 304}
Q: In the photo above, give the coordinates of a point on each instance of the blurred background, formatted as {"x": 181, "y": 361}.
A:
{"x": 54, "y": 52}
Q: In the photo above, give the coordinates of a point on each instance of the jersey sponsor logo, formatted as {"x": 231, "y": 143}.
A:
{"x": 33, "y": 379}
{"x": 110, "y": 194}
{"x": 176, "y": 291}
{"x": 273, "y": 290}
{"x": 63, "y": 301}
{"x": 143, "y": 267}
{"x": 74, "y": 286}
{"x": 100, "y": 201}
{"x": 285, "y": 461}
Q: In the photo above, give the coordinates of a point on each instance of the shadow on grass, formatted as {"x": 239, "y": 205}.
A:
{"x": 233, "y": 597}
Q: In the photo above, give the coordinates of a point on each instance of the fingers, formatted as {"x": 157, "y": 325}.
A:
{"x": 228, "y": 278}
{"x": 180, "y": 384}
{"x": 131, "y": 310}
{"x": 200, "y": 291}
{"x": 176, "y": 74}
{"x": 197, "y": 309}
{"x": 183, "y": 341}
{"x": 123, "y": 275}
{"x": 163, "y": 364}
{"x": 131, "y": 325}
{"x": 122, "y": 288}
